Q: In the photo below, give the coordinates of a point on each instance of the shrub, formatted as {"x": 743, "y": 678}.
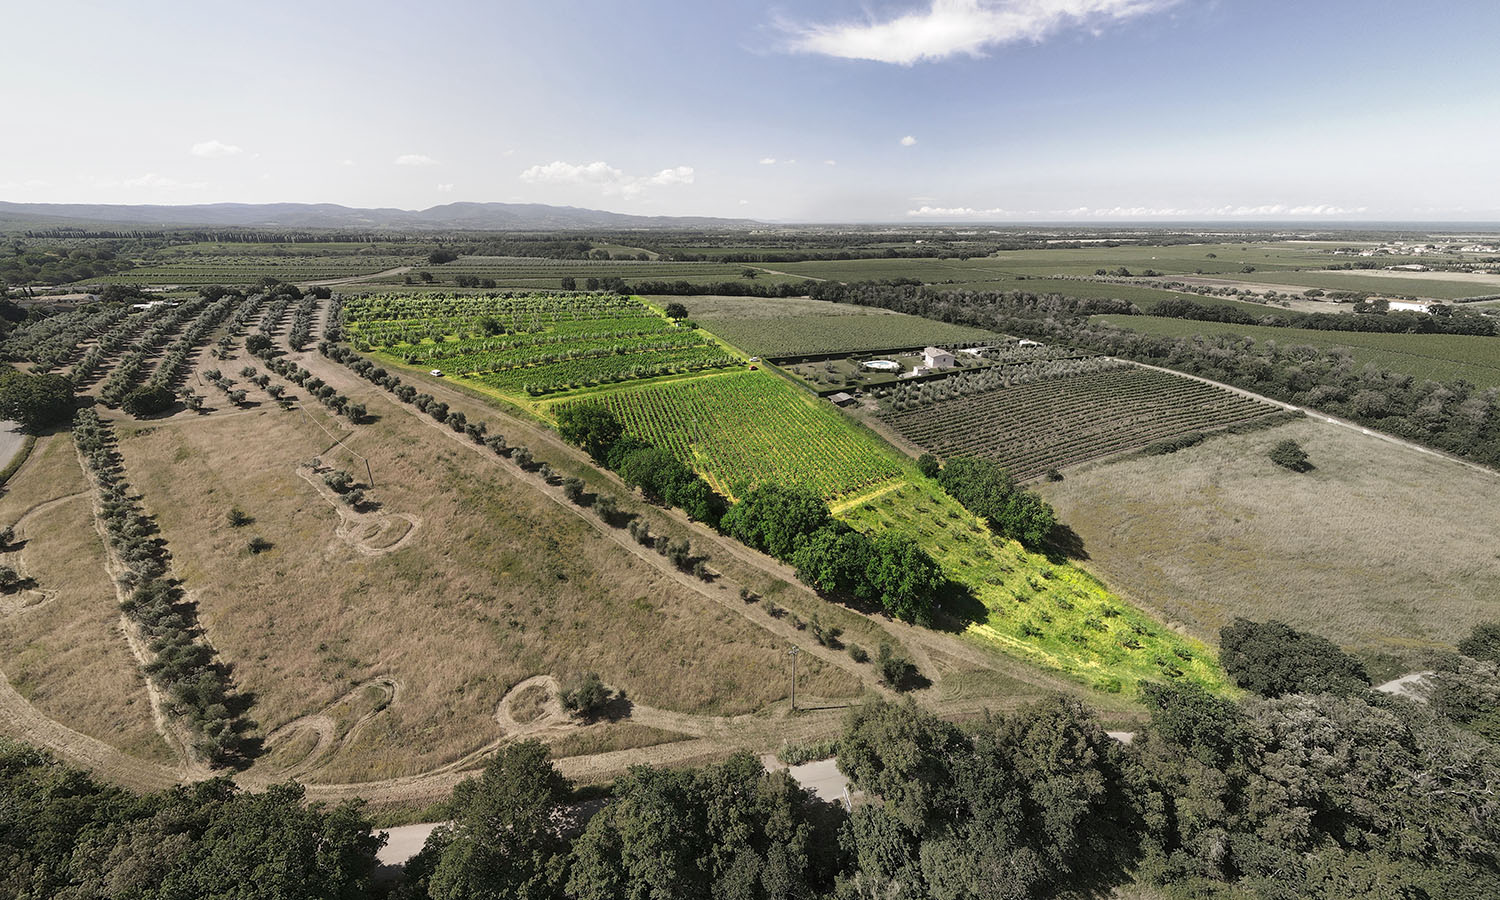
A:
{"x": 895, "y": 670}
{"x": 9, "y": 578}
{"x": 7, "y": 536}
{"x": 1289, "y": 455}
{"x": 807, "y": 751}
{"x": 1273, "y": 658}
{"x": 259, "y": 545}
{"x": 238, "y": 517}
{"x": 572, "y": 488}
{"x": 858, "y": 653}
{"x": 584, "y": 695}
{"x": 339, "y": 481}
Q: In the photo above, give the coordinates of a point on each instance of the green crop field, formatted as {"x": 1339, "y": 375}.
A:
{"x": 1427, "y": 286}
{"x": 1030, "y": 428}
{"x": 533, "y": 344}
{"x": 1055, "y": 615}
{"x": 797, "y": 335}
{"x": 752, "y": 428}
{"x": 1441, "y": 357}
{"x": 547, "y": 274}
{"x": 249, "y": 269}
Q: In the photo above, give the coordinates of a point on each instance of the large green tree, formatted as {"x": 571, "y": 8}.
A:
{"x": 35, "y": 401}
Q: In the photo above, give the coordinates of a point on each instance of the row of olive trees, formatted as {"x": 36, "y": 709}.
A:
{"x": 183, "y": 664}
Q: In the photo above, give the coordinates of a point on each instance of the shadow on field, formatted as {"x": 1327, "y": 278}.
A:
{"x": 1064, "y": 544}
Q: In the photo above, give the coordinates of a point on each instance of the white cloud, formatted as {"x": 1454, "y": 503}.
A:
{"x": 607, "y": 178}
{"x": 29, "y": 184}
{"x": 830, "y": 162}
{"x": 214, "y": 150}
{"x": 969, "y": 27}
{"x": 445, "y": 188}
{"x": 744, "y": 203}
{"x": 1264, "y": 211}
{"x": 768, "y": 160}
{"x": 957, "y": 212}
{"x": 415, "y": 159}
{"x": 908, "y": 141}
{"x": 346, "y": 162}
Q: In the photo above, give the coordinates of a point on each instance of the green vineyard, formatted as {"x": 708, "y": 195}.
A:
{"x": 532, "y": 344}
{"x": 1030, "y": 428}
{"x": 752, "y": 428}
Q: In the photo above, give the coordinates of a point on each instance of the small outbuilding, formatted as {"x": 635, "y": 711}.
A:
{"x": 937, "y": 358}
{"x": 841, "y": 399}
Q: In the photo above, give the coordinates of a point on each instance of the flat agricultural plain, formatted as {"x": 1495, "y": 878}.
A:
{"x": 1381, "y": 548}
{"x": 1441, "y": 357}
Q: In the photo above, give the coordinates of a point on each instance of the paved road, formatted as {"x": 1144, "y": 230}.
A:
{"x": 403, "y": 842}
{"x": 10, "y": 442}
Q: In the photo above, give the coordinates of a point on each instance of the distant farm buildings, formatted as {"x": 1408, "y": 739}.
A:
{"x": 882, "y": 365}
{"x": 840, "y": 399}
{"x": 1409, "y": 306}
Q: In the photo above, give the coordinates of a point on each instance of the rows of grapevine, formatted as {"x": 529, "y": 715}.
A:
{"x": 750, "y": 428}
{"x": 534, "y": 344}
{"x": 1034, "y": 427}
{"x": 609, "y": 368}
{"x": 978, "y": 381}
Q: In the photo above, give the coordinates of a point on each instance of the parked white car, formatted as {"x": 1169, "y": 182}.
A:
{"x": 437, "y": 373}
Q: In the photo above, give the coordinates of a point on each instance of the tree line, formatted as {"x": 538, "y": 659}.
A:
{"x": 1308, "y": 785}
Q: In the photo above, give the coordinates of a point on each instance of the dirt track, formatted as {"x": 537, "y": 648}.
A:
{"x": 706, "y": 737}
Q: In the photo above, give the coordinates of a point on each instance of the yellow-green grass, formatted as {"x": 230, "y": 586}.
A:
{"x": 496, "y": 584}
{"x": 752, "y": 428}
{"x": 1380, "y": 548}
{"x": 60, "y": 642}
{"x": 1440, "y": 357}
{"x": 1055, "y": 615}
{"x": 527, "y": 272}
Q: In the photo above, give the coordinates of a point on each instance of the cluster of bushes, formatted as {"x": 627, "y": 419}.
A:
{"x": 987, "y": 490}
{"x": 106, "y": 344}
{"x": 333, "y": 326}
{"x": 183, "y": 665}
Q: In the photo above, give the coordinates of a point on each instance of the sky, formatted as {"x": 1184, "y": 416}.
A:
{"x": 819, "y": 111}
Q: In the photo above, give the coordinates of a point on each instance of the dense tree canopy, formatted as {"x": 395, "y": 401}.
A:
{"x": 591, "y": 426}
{"x": 1272, "y": 658}
{"x": 987, "y": 490}
{"x": 35, "y": 401}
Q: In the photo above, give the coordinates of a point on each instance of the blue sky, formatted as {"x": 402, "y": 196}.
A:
{"x": 890, "y": 110}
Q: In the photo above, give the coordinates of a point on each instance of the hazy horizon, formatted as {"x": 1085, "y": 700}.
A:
{"x": 938, "y": 111}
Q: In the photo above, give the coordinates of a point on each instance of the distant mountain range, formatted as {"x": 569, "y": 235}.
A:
{"x": 448, "y": 217}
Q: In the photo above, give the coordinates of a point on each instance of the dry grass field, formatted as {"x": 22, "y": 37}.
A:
{"x": 495, "y": 584}
{"x": 1384, "y": 549}
{"x": 61, "y": 646}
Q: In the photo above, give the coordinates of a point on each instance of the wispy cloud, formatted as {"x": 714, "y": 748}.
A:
{"x": 768, "y": 160}
{"x": 961, "y": 27}
{"x": 415, "y": 159}
{"x": 830, "y": 162}
{"x": 607, "y": 178}
{"x": 214, "y": 150}
{"x": 30, "y": 184}
{"x": 445, "y": 188}
{"x": 908, "y": 141}
{"x": 148, "y": 181}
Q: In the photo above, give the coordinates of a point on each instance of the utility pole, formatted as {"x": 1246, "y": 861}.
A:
{"x": 793, "y": 654}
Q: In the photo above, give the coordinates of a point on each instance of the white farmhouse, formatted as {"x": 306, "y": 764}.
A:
{"x": 935, "y": 358}
{"x": 1408, "y": 306}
